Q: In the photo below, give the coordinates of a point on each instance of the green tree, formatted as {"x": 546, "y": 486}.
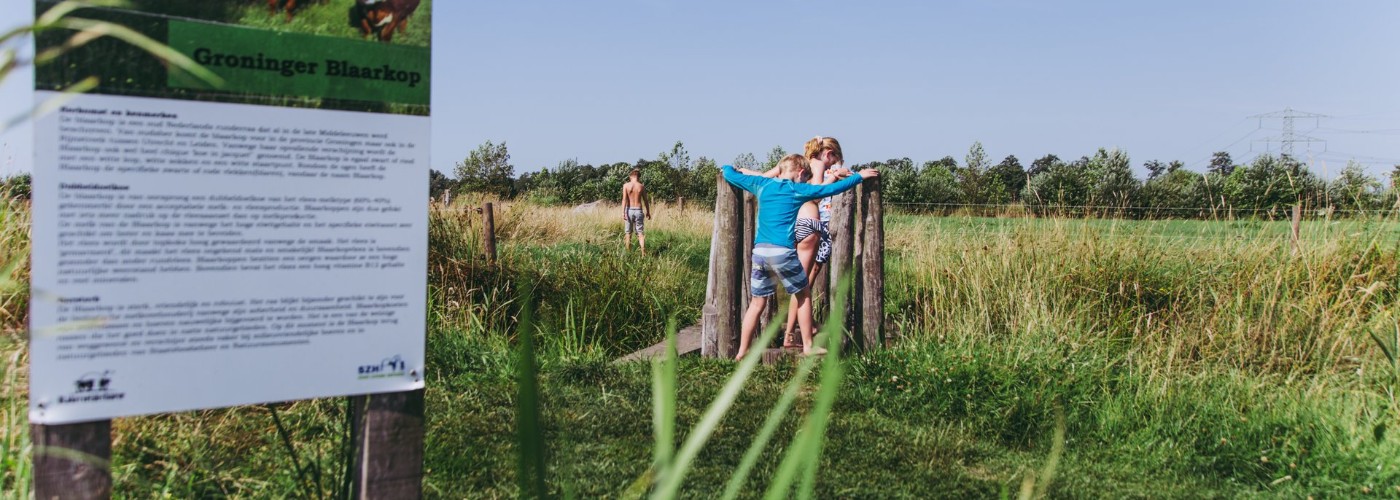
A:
{"x": 1060, "y": 186}
{"x": 746, "y": 160}
{"x": 1221, "y": 163}
{"x": 970, "y": 175}
{"x": 678, "y": 158}
{"x": 1155, "y": 169}
{"x": 775, "y": 155}
{"x": 662, "y": 181}
{"x": 899, "y": 181}
{"x": 938, "y": 187}
{"x": 438, "y": 183}
{"x": 1176, "y": 194}
{"x": 1111, "y": 179}
{"x": 487, "y": 169}
{"x": 1042, "y": 164}
{"x": 1269, "y": 184}
{"x": 1012, "y": 178}
{"x": 1352, "y": 189}
{"x": 703, "y": 181}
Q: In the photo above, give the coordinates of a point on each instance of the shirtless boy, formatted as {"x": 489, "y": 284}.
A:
{"x": 634, "y": 198}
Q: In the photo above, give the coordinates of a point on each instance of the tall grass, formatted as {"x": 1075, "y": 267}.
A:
{"x": 16, "y": 466}
{"x": 1238, "y": 357}
{"x": 1184, "y": 358}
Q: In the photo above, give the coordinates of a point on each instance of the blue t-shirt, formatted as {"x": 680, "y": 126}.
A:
{"x": 779, "y": 200}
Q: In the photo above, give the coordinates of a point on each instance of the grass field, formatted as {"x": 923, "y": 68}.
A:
{"x": 1184, "y": 358}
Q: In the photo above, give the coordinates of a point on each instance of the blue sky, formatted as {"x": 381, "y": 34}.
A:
{"x": 608, "y": 81}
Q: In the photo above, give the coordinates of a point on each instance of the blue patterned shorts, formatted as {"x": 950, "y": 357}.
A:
{"x": 769, "y": 260}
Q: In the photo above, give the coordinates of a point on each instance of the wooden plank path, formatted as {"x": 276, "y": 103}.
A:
{"x": 688, "y": 344}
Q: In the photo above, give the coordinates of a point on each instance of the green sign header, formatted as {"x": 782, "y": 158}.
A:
{"x": 271, "y": 63}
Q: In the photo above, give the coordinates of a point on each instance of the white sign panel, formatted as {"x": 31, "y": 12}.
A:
{"x": 195, "y": 254}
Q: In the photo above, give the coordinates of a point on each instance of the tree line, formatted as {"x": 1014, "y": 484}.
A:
{"x": 1103, "y": 183}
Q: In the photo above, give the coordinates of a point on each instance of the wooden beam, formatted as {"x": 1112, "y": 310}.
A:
{"x": 843, "y": 217}
{"x": 71, "y": 460}
{"x": 728, "y": 252}
{"x": 872, "y": 312}
{"x": 387, "y": 430}
{"x": 709, "y": 315}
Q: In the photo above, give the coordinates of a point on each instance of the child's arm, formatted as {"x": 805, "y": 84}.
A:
{"x": 646, "y": 200}
{"x": 748, "y": 183}
{"x": 811, "y": 192}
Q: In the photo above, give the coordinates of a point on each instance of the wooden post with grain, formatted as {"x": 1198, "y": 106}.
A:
{"x": 72, "y": 460}
{"x": 488, "y": 228}
{"x": 387, "y": 435}
{"x": 843, "y": 223}
{"x": 720, "y": 325}
{"x": 872, "y": 313}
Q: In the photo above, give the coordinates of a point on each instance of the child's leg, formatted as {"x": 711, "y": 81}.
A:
{"x": 804, "y": 317}
{"x": 806, "y": 254}
{"x": 750, "y": 324}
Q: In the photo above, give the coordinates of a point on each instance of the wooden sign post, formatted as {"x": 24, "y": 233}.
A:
{"x": 71, "y": 460}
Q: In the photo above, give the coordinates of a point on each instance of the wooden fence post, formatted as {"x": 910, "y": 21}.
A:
{"x": 709, "y": 314}
{"x": 387, "y": 432}
{"x": 680, "y": 204}
{"x": 750, "y": 210}
{"x": 1297, "y": 225}
{"x": 71, "y": 460}
{"x": 843, "y": 217}
{"x": 728, "y": 233}
{"x": 872, "y": 209}
{"x": 853, "y": 322}
{"x": 488, "y": 228}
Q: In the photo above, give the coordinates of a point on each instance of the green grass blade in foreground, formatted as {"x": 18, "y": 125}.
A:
{"x": 807, "y": 446}
{"x": 671, "y": 484}
{"x": 770, "y": 426}
{"x": 530, "y": 468}
{"x": 663, "y": 371}
{"x": 1052, "y": 463}
{"x": 832, "y": 373}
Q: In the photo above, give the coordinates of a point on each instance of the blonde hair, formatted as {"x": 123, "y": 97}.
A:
{"x": 817, "y": 144}
{"x": 793, "y": 162}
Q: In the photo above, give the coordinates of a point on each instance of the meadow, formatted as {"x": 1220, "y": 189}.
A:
{"x": 1176, "y": 359}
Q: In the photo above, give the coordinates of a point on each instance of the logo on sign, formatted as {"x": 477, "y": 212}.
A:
{"x": 387, "y": 367}
{"x": 92, "y": 387}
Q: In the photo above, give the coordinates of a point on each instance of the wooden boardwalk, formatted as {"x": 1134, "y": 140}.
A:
{"x": 688, "y": 344}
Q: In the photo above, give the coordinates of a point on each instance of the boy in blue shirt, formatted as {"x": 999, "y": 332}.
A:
{"x": 774, "y": 249}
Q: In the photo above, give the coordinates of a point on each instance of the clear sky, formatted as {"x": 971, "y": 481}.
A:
{"x": 618, "y": 80}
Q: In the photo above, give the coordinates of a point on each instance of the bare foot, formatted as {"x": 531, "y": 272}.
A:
{"x": 790, "y": 341}
{"x": 740, "y": 356}
{"x": 815, "y": 351}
